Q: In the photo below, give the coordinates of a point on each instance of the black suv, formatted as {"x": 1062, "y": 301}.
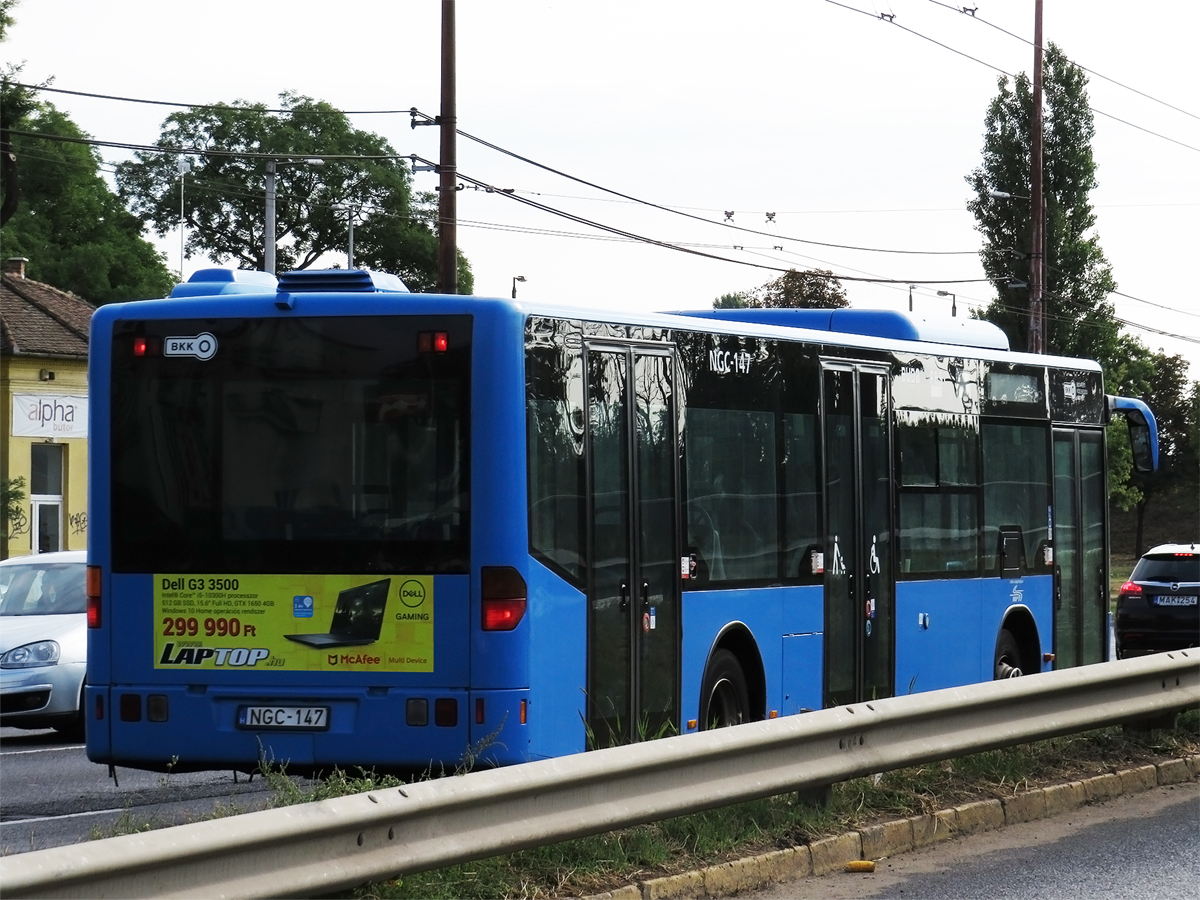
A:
{"x": 1157, "y": 609}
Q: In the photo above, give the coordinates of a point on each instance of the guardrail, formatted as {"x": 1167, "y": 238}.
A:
{"x": 321, "y": 847}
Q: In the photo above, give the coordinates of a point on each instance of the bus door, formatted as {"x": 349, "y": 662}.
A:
{"x": 859, "y": 587}
{"x": 634, "y": 582}
{"x": 1080, "y": 561}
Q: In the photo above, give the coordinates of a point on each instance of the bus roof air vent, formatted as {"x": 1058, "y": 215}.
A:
{"x": 883, "y": 323}
{"x": 211, "y": 282}
{"x": 307, "y": 281}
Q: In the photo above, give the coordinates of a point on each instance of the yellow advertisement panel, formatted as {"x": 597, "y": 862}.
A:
{"x": 305, "y": 623}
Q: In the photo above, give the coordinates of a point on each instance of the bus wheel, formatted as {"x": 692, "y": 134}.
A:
{"x": 724, "y": 699}
{"x": 1008, "y": 657}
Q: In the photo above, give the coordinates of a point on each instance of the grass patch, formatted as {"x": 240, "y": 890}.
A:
{"x": 603, "y": 862}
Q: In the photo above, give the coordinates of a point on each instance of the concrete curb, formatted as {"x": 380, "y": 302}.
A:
{"x": 831, "y": 854}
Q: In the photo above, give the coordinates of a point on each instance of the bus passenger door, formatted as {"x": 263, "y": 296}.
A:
{"x": 1080, "y": 560}
{"x": 859, "y": 591}
{"x": 633, "y": 590}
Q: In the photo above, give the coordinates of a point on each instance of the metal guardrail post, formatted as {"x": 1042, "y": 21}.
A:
{"x": 322, "y": 847}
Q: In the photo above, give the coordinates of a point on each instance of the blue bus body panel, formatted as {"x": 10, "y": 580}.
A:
{"x": 557, "y": 628}
{"x": 946, "y": 630}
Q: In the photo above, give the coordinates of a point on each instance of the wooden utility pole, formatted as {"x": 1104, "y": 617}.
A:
{"x": 1037, "y": 250}
{"x": 448, "y": 168}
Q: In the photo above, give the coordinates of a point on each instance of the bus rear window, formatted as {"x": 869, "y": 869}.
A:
{"x": 296, "y": 445}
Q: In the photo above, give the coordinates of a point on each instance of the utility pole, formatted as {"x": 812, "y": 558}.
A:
{"x": 269, "y": 231}
{"x": 1037, "y": 261}
{"x": 448, "y": 168}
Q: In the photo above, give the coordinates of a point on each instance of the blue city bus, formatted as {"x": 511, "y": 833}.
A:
{"x": 335, "y": 523}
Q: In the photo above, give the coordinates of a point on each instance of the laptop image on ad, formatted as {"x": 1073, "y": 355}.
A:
{"x": 357, "y": 618}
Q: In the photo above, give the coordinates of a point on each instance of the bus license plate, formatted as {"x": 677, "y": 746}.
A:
{"x": 307, "y": 717}
{"x": 1175, "y": 600}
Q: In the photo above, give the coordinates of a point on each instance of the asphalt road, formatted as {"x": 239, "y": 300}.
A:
{"x": 50, "y": 794}
{"x": 1142, "y": 847}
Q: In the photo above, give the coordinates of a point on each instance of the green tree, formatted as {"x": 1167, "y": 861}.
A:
{"x": 815, "y": 289}
{"x": 1078, "y": 317}
{"x": 62, "y": 214}
{"x": 6, "y": 18}
{"x": 224, "y": 197}
{"x": 736, "y": 300}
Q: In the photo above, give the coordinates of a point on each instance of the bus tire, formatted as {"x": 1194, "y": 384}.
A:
{"x": 724, "y": 697}
{"x": 1008, "y": 656}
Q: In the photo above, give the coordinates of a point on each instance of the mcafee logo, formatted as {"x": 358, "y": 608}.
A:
{"x": 332, "y": 659}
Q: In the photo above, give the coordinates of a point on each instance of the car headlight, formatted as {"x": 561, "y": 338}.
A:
{"x": 43, "y": 653}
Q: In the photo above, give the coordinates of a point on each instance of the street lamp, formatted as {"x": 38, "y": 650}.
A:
{"x": 516, "y": 278}
{"x": 953, "y": 301}
{"x": 269, "y": 231}
{"x": 1005, "y": 195}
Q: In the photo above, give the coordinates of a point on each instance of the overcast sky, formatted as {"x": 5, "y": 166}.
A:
{"x": 849, "y": 129}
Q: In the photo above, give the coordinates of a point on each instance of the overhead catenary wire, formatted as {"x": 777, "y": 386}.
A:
{"x": 890, "y": 20}
{"x": 975, "y": 17}
{"x": 581, "y": 220}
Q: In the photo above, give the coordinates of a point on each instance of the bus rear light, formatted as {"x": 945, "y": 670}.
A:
{"x": 416, "y": 712}
{"x": 131, "y": 707}
{"x": 479, "y": 714}
{"x": 503, "y": 598}
{"x": 147, "y": 346}
{"x": 94, "y": 618}
{"x": 433, "y": 341}
{"x": 445, "y": 712}
{"x": 156, "y": 708}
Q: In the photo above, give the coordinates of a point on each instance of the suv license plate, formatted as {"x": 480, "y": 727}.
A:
{"x": 304, "y": 717}
{"x": 1175, "y": 600}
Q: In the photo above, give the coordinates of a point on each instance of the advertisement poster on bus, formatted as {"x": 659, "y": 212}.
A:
{"x": 294, "y": 623}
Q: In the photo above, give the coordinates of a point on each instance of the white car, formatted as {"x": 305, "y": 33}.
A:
{"x": 43, "y": 640}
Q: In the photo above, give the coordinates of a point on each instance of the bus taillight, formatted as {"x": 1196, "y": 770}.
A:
{"x": 93, "y": 597}
{"x": 503, "y": 593}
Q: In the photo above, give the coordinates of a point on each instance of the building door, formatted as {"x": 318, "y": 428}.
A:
{"x": 1080, "y": 560}
{"x": 46, "y": 496}
{"x": 859, "y": 585}
{"x": 634, "y": 581}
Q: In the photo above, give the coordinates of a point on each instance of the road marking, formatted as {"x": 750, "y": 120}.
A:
{"x": 94, "y": 812}
{"x": 42, "y": 750}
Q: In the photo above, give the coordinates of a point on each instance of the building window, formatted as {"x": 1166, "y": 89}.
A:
{"x": 46, "y": 496}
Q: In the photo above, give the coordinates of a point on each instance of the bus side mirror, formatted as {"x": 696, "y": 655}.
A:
{"x": 1139, "y": 439}
{"x": 1143, "y": 431}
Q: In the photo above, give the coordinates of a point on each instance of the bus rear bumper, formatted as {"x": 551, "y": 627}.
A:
{"x": 193, "y": 728}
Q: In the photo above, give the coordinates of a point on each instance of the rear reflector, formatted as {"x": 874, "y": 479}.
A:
{"x": 503, "y": 598}
{"x": 99, "y": 707}
{"x": 445, "y": 712}
{"x": 524, "y": 711}
{"x": 131, "y": 707}
{"x": 479, "y": 714}
{"x": 93, "y": 597}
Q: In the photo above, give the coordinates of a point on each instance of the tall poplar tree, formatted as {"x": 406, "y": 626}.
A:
{"x": 1078, "y": 317}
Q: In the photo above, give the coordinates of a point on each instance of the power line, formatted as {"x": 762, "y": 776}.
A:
{"x": 891, "y": 20}
{"x": 182, "y": 105}
{"x": 679, "y": 212}
{"x": 971, "y": 13}
{"x": 669, "y": 246}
